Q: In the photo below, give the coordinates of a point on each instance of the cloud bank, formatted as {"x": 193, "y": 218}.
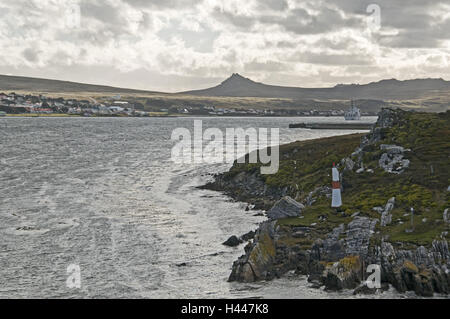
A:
{"x": 175, "y": 45}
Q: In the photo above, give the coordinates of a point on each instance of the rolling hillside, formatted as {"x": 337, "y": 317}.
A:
{"x": 239, "y": 86}
{"x": 19, "y": 83}
{"x": 432, "y": 95}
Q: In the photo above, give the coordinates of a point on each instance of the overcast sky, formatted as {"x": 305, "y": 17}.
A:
{"x": 175, "y": 45}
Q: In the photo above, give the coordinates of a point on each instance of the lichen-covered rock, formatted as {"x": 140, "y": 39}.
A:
{"x": 446, "y": 216}
{"x": 419, "y": 281}
{"x": 344, "y": 274}
{"x": 423, "y": 270}
{"x": 285, "y": 207}
{"x": 259, "y": 258}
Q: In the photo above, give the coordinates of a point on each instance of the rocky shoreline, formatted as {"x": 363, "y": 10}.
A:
{"x": 335, "y": 247}
{"x": 338, "y": 264}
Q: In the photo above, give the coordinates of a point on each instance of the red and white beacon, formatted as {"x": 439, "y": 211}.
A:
{"x": 336, "y": 200}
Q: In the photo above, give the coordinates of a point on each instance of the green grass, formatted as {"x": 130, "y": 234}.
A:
{"x": 423, "y": 234}
{"x": 306, "y": 165}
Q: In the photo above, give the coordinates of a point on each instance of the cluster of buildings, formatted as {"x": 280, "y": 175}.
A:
{"x": 16, "y": 103}
{"x": 13, "y": 103}
{"x": 213, "y": 111}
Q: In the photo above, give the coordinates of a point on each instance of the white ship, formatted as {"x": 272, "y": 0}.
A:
{"x": 353, "y": 114}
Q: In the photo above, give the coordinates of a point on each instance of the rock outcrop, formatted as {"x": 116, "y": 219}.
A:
{"x": 386, "y": 216}
{"x": 233, "y": 241}
{"x": 359, "y": 232}
{"x": 393, "y": 160}
{"x": 257, "y": 263}
{"x": 284, "y": 208}
{"x": 248, "y": 236}
{"x": 343, "y": 274}
{"x": 338, "y": 263}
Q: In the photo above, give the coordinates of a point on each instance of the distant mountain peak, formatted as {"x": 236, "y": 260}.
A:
{"x": 237, "y": 79}
{"x": 237, "y": 76}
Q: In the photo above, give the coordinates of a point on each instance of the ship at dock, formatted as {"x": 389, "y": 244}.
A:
{"x": 353, "y": 114}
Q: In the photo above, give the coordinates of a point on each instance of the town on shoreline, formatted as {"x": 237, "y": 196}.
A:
{"x": 14, "y": 104}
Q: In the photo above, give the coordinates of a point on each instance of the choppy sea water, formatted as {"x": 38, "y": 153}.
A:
{"x": 103, "y": 194}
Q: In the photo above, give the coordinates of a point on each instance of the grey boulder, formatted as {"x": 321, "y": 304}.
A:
{"x": 233, "y": 241}
{"x": 284, "y": 208}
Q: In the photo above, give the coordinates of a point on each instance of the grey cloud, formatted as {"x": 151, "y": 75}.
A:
{"x": 230, "y": 56}
{"x": 300, "y": 21}
{"x": 237, "y": 20}
{"x": 410, "y": 40}
{"x": 363, "y": 70}
{"x": 102, "y": 11}
{"x": 403, "y": 15}
{"x": 31, "y": 55}
{"x": 426, "y": 37}
{"x": 267, "y": 66}
{"x": 146, "y": 22}
{"x": 278, "y": 5}
{"x": 388, "y": 7}
{"x": 336, "y": 44}
{"x": 163, "y": 4}
{"x": 201, "y": 41}
{"x": 111, "y": 24}
{"x": 250, "y": 37}
{"x": 281, "y": 44}
{"x": 84, "y": 38}
{"x": 417, "y": 28}
{"x": 332, "y": 59}
{"x": 111, "y": 15}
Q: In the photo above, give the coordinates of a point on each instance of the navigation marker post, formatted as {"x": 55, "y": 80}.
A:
{"x": 336, "y": 188}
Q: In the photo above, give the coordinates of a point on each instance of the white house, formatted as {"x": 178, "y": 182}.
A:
{"x": 116, "y": 109}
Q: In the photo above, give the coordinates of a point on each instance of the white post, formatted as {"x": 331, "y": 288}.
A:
{"x": 336, "y": 200}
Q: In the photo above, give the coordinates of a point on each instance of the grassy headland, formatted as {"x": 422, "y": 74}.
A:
{"x": 305, "y": 169}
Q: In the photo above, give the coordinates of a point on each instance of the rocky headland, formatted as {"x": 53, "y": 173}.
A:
{"x": 396, "y": 194}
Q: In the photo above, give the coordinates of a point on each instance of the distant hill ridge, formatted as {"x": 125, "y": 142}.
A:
{"x": 20, "y": 83}
{"x": 239, "y": 86}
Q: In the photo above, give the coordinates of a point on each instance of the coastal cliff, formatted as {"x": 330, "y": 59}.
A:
{"x": 396, "y": 195}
